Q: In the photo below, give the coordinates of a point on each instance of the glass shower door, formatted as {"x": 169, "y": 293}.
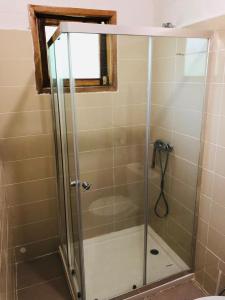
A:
{"x": 132, "y": 182}
{"x": 179, "y": 68}
{"x": 111, "y": 131}
{"x": 68, "y": 189}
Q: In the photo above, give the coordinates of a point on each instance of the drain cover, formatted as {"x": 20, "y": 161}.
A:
{"x": 154, "y": 251}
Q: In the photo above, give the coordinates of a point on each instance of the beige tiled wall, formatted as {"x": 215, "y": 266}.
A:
{"x": 111, "y": 137}
{"x": 27, "y": 149}
{"x": 176, "y": 117}
{"x": 7, "y": 262}
{"x": 210, "y": 255}
{"x": 111, "y": 129}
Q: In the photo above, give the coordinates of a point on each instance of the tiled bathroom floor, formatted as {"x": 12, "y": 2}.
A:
{"x": 186, "y": 291}
{"x": 42, "y": 279}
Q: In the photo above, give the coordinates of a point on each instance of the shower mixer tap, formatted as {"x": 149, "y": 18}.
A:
{"x": 86, "y": 186}
{"x": 159, "y": 145}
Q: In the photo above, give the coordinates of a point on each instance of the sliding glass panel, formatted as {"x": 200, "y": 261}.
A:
{"x": 178, "y": 88}
{"x": 71, "y": 189}
{"x": 111, "y": 144}
{"x": 59, "y": 161}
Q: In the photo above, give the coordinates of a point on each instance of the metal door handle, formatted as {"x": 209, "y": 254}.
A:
{"x": 74, "y": 183}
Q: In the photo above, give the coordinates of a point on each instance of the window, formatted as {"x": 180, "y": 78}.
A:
{"x": 94, "y": 56}
{"x": 195, "y": 57}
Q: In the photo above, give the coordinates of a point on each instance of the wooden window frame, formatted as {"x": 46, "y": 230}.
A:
{"x": 40, "y": 16}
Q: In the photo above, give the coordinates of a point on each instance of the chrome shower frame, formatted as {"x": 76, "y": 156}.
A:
{"x": 71, "y": 27}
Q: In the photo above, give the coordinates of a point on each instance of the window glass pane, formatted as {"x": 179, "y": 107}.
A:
{"x": 196, "y": 57}
{"x": 85, "y": 50}
{"x": 195, "y": 45}
{"x": 61, "y": 52}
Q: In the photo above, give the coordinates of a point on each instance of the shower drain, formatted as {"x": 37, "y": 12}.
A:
{"x": 154, "y": 251}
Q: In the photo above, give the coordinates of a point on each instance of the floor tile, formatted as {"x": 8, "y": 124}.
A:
{"x": 55, "y": 289}
{"x": 39, "y": 270}
{"x": 186, "y": 291}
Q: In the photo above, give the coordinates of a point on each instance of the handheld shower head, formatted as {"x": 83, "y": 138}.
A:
{"x": 161, "y": 147}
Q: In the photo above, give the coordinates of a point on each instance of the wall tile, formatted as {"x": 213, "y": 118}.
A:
{"x": 129, "y": 94}
{"x": 23, "y": 98}
{"x": 163, "y": 70}
{"x": 216, "y": 243}
{"x": 216, "y": 67}
{"x": 132, "y": 70}
{"x": 221, "y": 138}
{"x": 209, "y": 284}
{"x": 31, "y": 191}
{"x": 209, "y": 155}
{"x": 186, "y": 147}
{"x": 33, "y": 212}
{"x": 19, "y": 148}
{"x": 219, "y": 189}
{"x": 202, "y": 233}
{"x": 31, "y": 233}
{"x": 192, "y": 118}
{"x": 214, "y": 98}
{"x": 211, "y": 128}
{"x": 91, "y": 100}
{"x": 96, "y": 160}
{"x": 162, "y": 117}
{"x": 204, "y": 207}
{"x": 217, "y": 219}
{"x": 163, "y": 93}
{"x": 30, "y": 169}
{"x": 164, "y": 47}
{"x": 207, "y": 183}
{"x": 189, "y": 96}
{"x": 95, "y": 139}
{"x": 220, "y": 161}
{"x": 94, "y": 118}
{"x": 129, "y": 115}
{"x": 211, "y": 264}
{"x": 25, "y": 124}
{"x": 130, "y": 47}
{"x": 23, "y": 41}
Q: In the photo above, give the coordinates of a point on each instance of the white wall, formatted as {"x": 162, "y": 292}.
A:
{"x": 185, "y": 12}
{"x": 13, "y": 13}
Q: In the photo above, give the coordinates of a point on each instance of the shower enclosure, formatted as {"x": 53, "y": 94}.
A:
{"x": 128, "y": 157}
